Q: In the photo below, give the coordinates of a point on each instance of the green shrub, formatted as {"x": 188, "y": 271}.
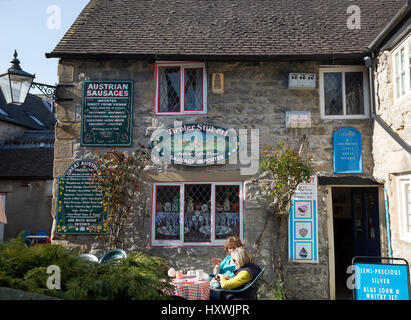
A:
{"x": 136, "y": 277}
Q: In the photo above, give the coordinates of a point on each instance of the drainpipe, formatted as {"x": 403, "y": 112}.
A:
{"x": 387, "y": 222}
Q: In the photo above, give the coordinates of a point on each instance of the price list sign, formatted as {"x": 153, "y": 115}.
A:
{"x": 79, "y": 204}
{"x": 106, "y": 114}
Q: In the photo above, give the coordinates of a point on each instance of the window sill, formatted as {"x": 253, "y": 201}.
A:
{"x": 401, "y": 100}
{"x": 359, "y": 117}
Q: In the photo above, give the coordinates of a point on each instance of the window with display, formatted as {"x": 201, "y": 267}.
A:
{"x": 196, "y": 213}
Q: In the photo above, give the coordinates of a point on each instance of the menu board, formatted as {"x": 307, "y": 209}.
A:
{"x": 347, "y": 151}
{"x": 79, "y": 203}
{"x": 107, "y": 113}
{"x": 303, "y": 238}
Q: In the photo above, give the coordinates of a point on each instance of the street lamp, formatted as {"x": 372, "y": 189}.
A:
{"x": 16, "y": 83}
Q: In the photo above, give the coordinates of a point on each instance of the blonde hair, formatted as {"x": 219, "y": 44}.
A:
{"x": 242, "y": 256}
{"x": 232, "y": 241}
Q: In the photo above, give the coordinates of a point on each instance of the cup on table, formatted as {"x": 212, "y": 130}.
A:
{"x": 199, "y": 274}
{"x": 179, "y": 274}
{"x": 191, "y": 273}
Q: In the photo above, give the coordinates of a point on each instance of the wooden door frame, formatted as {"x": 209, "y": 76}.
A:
{"x": 330, "y": 228}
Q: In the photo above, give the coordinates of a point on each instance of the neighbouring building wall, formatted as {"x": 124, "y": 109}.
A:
{"x": 28, "y": 203}
{"x": 256, "y": 96}
{"x": 390, "y": 159}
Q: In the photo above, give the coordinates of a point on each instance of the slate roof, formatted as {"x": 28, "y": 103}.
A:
{"x": 28, "y": 156}
{"x": 27, "y": 163}
{"x": 35, "y": 113}
{"x": 239, "y": 28}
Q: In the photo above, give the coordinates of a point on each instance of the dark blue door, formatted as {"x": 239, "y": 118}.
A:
{"x": 366, "y": 227}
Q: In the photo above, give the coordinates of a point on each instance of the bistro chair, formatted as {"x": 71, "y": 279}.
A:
{"x": 42, "y": 233}
{"x": 235, "y": 294}
{"x": 89, "y": 257}
{"x": 113, "y": 255}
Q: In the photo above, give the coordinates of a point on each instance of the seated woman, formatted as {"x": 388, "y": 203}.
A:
{"x": 226, "y": 267}
{"x": 246, "y": 271}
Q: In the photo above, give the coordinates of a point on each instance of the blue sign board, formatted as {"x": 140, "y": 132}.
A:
{"x": 381, "y": 281}
{"x": 347, "y": 149}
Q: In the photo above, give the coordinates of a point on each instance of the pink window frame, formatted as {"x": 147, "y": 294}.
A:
{"x": 182, "y": 65}
{"x": 180, "y": 242}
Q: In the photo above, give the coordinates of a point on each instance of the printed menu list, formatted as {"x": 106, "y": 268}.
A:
{"x": 80, "y": 208}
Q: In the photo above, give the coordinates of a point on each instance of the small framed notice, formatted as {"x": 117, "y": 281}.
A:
{"x": 107, "y": 113}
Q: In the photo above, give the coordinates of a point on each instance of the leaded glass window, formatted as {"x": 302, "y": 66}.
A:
{"x": 181, "y": 88}
{"x": 354, "y": 92}
{"x": 344, "y": 93}
{"x": 193, "y": 88}
{"x": 333, "y": 93}
{"x": 196, "y": 213}
{"x": 169, "y": 89}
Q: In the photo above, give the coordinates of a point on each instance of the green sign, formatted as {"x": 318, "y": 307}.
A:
{"x": 79, "y": 204}
{"x": 195, "y": 144}
{"x": 107, "y": 113}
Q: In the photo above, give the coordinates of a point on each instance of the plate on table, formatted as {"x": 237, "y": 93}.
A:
{"x": 221, "y": 230}
{"x": 169, "y": 231}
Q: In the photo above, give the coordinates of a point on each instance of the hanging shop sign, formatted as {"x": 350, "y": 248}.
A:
{"x": 79, "y": 203}
{"x": 303, "y": 235}
{"x": 347, "y": 151}
{"x": 381, "y": 281}
{"x": 107, "y": 113}
{"x": 195, "y": 144}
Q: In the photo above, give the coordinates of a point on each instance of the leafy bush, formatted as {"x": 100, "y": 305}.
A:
{"x": 136, "y": 277}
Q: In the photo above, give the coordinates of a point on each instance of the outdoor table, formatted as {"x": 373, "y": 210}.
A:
{"x": 190, "y": 288}
{"x": 37, "y": 238}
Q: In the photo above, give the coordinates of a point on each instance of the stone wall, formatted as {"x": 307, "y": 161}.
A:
{"x": 28, "y": 204}
{"x": 256, "y": 96}
{"x": 390, "y": 158}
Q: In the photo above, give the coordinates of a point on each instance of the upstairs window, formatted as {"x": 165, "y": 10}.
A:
{"x": 344, "y": 93}
{"x": 404, "y": 206}
{"x": 402, "y": 70}
{"x": 181, "y": 88}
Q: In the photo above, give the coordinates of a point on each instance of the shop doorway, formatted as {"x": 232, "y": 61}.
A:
{"x": 356, "y": 230}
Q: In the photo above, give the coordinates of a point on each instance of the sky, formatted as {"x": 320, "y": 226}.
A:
{"x": 33, "y": 28}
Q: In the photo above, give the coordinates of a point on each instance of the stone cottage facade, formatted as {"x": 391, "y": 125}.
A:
{"x": 392, "y": 129}
{"x": 255, "y": 49}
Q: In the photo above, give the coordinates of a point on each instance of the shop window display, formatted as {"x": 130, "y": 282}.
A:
{"x": 196, "y": 213}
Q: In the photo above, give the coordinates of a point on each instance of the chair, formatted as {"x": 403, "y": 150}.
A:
{"x": 42, "y": 233}
{"x": 235, "y": 294}
{"x": 89, "y": 257}
{"x": 113, "y": 255}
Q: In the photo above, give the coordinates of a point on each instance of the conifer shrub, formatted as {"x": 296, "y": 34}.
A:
{"x": 138, "y": 277}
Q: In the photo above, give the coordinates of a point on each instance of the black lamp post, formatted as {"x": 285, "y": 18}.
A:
{"x": 16, "y": 83}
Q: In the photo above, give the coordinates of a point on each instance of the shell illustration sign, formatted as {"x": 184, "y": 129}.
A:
{"x": 195, "y": 144}
{"x": 303, "y": 231}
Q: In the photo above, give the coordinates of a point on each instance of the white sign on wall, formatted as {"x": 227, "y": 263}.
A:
{"x": 302, "y": 228}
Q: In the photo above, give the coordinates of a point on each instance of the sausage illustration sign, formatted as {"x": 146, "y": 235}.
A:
{"x": 106, "y": 115}
{"x": 194, "y": 144}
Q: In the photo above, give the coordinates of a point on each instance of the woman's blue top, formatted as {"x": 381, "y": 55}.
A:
{"x": 226, "y": 268}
